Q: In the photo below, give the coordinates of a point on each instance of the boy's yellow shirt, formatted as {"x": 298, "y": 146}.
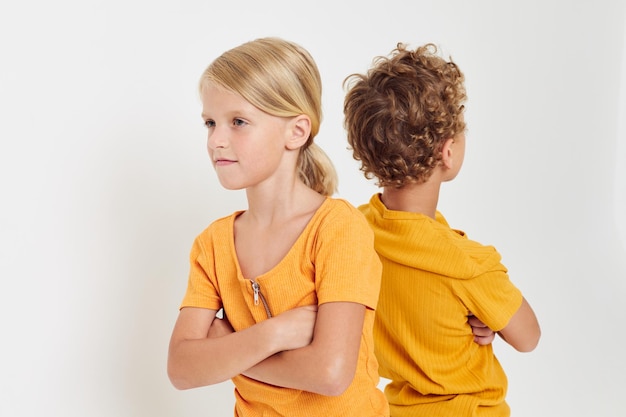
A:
{"x": 433, "y": 277}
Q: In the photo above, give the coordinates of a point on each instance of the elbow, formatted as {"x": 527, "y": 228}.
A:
{"x": 525, "y": 348}
{"x": 184, "y": 376}
{"x": 531, "y": 343}
{"x": 178, "y": 377}
{"x": 180, "y": 384}
{"x": 336, "y": 379}
{"x": 526, "y": 344}
{"x": 177, "y": 380}
{"x": 333, "y": 388}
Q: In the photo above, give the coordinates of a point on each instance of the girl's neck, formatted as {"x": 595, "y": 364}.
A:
{"x": 267, "y": 207}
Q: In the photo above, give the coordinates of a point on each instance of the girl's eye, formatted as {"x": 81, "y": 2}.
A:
{"x": 239, "y": 122}
{"x": 209, "y": 123}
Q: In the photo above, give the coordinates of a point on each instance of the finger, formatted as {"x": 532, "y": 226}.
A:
{"x": 482, "y": 331}
{"x": 484, "y": 340}
{"x": 474, "y": 322}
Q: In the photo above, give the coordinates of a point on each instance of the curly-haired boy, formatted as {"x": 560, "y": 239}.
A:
{"x": 405, "y": 124}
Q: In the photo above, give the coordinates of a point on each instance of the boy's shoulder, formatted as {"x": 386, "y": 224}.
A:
{"x": 421, "y": 242}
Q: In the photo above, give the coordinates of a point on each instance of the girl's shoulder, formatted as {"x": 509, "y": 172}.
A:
{"x": 340, "y": 207}
{"x": 339, "y": 213}
{"x": 219, "y": 228}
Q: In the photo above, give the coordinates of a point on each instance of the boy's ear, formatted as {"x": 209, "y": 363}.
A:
{"x": 446, "y": 153}
{"x": 299, "y": 131}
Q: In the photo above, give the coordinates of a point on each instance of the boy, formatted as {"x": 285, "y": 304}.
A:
{"x": 404, "y": 121}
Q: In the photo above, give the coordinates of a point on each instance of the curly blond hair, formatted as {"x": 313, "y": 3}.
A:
{"x": 399, "y": 114}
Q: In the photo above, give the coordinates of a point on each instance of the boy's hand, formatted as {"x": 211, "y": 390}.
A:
{"x": 483, "y": 335}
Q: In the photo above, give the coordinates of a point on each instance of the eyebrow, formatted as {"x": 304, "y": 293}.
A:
{"x": 233, "y": 113}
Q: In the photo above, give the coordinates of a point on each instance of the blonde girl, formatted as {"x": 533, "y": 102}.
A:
{"x": 295, "y": 273}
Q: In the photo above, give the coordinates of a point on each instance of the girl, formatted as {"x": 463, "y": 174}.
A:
{"x": 296, "y": 273}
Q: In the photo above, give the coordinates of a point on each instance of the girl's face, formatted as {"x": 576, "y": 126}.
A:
{"x": 246, "y": 145}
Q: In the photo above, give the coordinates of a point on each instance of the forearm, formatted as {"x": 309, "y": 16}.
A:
{"x": 200, "y": 361}
{"x": 305, "y": 369}
{"x": 326, "y": 366}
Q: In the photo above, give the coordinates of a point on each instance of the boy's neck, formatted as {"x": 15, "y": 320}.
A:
{"x": 414, "y": 198}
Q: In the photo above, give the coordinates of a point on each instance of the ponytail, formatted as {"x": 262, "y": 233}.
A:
{"x": 317, "y": 171}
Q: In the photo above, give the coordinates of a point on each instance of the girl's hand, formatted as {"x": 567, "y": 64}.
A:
{"x": 295, "y": 327}
{"x": 325, "y": 364}
{"x": 483, "y": 335}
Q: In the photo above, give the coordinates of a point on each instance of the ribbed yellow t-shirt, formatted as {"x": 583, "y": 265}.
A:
{"x": 332, "y": 260}
{"x": 433, "y": 277}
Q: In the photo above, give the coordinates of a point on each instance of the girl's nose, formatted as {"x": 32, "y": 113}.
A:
{"x": 216, "y": 139}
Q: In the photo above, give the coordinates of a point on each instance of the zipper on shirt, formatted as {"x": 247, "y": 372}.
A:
{"x": 256, "y": 289}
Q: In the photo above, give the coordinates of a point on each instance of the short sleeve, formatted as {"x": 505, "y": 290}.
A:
{"x": 347, "y": 266}
{"x": 491, "y": 297}
{"x": 201, "y": 285}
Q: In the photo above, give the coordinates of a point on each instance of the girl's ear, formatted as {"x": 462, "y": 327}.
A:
{"x": 446, "y": 154}
{"x": 299, "y": 131}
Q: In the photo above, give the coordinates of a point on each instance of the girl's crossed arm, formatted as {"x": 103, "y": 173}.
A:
{"x": 328, "y": 364}
{"x": 195, "y": 359}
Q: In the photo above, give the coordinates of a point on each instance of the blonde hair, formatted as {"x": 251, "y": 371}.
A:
{"x": 279, "y": 78}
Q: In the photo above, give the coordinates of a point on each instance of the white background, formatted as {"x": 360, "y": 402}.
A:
{"x": 105, "y": 182}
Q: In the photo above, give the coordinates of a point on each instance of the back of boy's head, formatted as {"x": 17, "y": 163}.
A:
{"x": 399, "y": 114}
{"x": 280, "y": 78}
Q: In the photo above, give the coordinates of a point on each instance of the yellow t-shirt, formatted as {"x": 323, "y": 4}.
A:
{"x": 433, "y": 277}
{"x": 332, "y": 260}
